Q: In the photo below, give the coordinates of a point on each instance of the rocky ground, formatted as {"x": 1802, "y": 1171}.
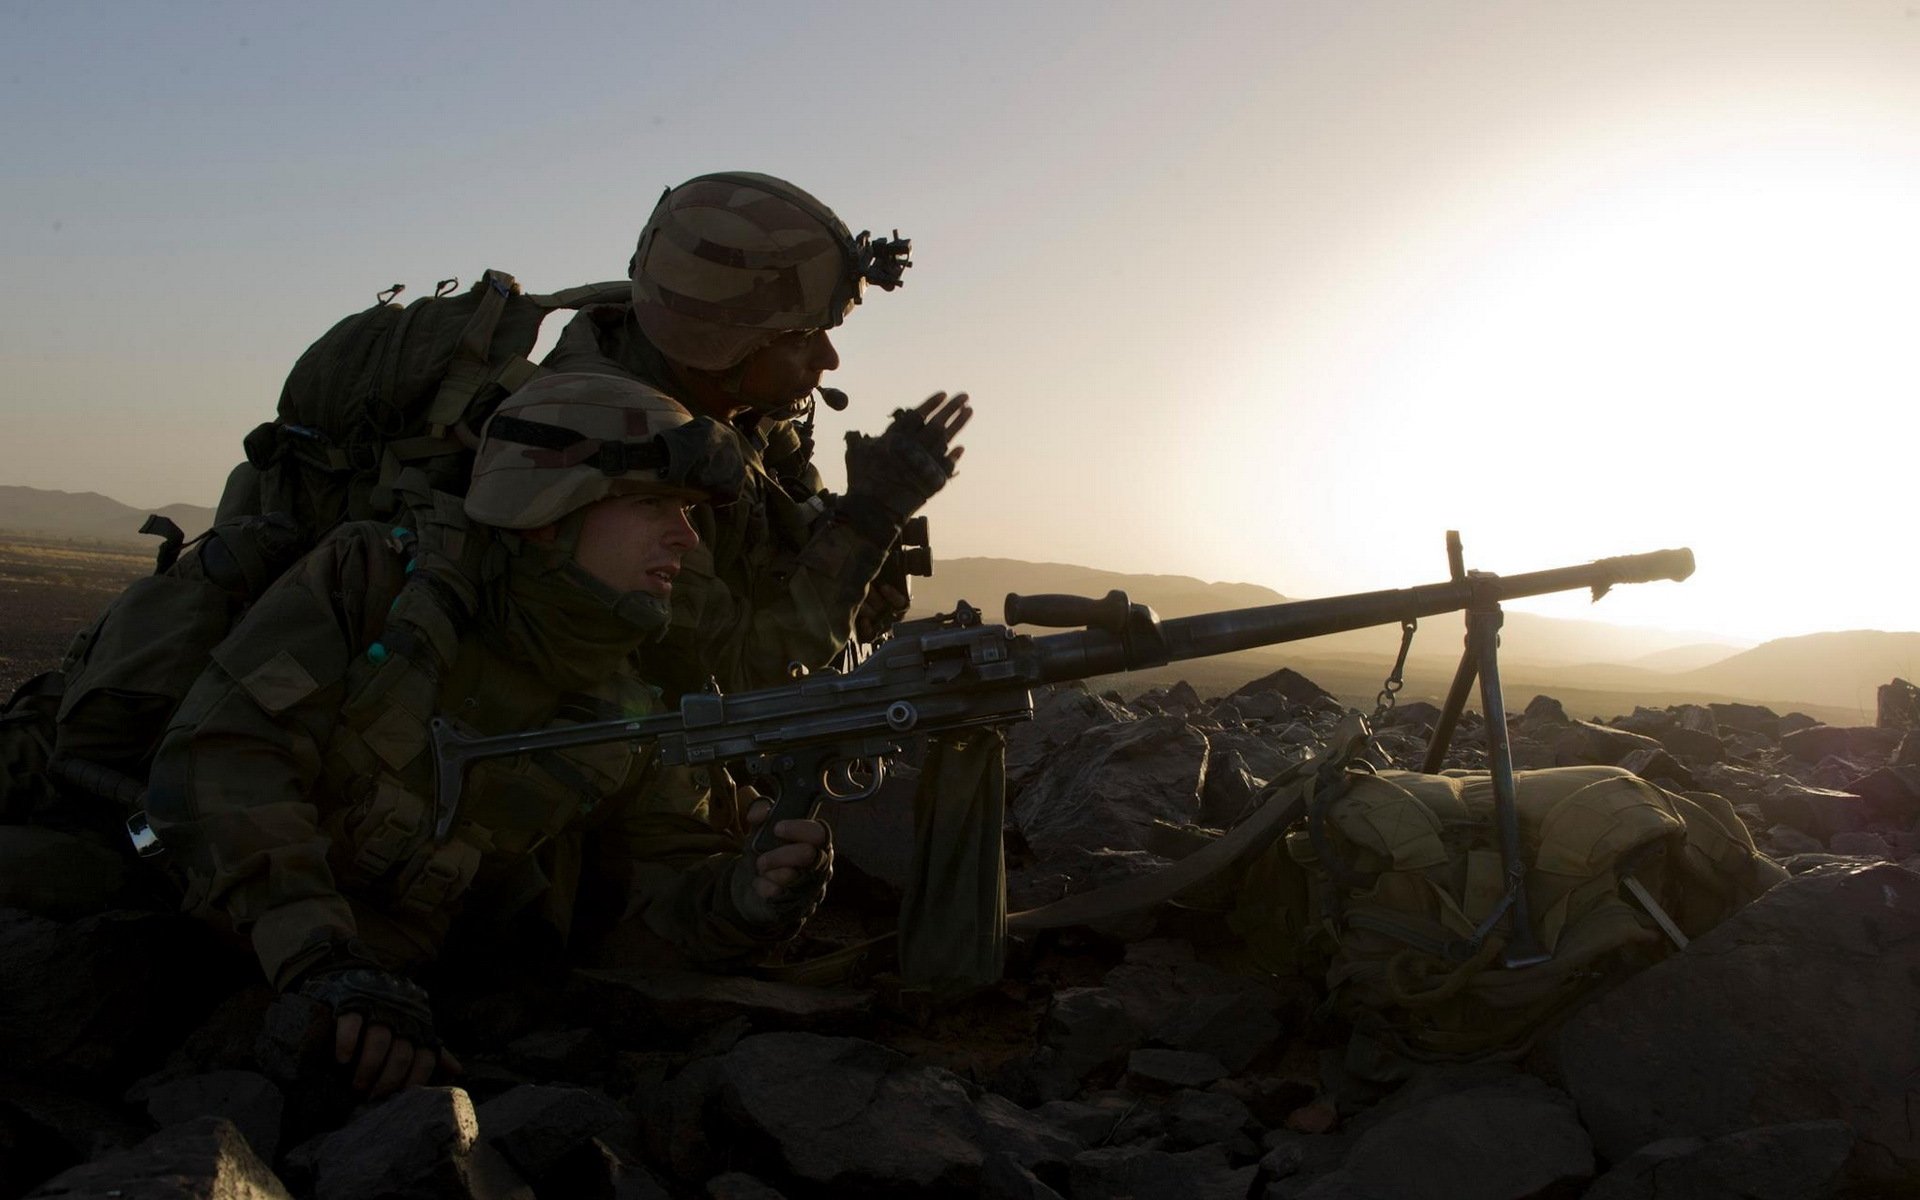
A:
{"x": 1774, "y": 1057}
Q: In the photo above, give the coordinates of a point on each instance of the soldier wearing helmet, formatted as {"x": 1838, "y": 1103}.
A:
{"x": 737, "y": 280}
{"x": 294, "y": 787}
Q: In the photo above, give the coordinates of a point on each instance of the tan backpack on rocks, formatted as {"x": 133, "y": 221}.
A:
{"x": 1386, "y": 890}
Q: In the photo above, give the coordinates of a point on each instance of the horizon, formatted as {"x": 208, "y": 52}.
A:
{"x": 1275, "y": 295}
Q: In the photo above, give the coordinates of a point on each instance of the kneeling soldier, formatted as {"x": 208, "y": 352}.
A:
{"x": 294, "y": 786}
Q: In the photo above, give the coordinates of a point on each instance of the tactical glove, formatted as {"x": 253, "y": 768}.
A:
{"x": 782, "y": 914}
{"x": 380, "y": 998}
{"x": 898, "y": 471}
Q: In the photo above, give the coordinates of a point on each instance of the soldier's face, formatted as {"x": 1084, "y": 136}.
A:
{"x": 783, "y": 371}
{"x": 634, "y": 543}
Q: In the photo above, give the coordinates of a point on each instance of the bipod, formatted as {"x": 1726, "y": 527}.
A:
{"x": 1482, "y": 659}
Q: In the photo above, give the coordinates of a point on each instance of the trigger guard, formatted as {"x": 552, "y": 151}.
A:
{"x": 840, "y": 775}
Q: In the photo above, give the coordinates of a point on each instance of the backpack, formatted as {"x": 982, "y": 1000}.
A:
{"x": 385, "y": 390}
{"x": 1383, "y": 888}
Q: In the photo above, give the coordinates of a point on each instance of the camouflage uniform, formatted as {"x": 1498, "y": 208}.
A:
{"x": 295, "y": 781}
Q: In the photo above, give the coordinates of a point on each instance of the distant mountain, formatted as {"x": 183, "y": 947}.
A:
{"x": 87, "y": 515}
{"x": 1826, "y": 668}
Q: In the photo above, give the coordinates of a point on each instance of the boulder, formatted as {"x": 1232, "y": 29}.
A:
{"x": 1107, "y": 789}
{"x": 1289, "y": 683}
{"x": 419, "y": 1144}
{"x": 1158, "y": 1070}
{"x": 1817, "y": 812}
{"x": 1138, "y": 1173}
{"x": 640, "y": 1004}
{"x": 206, "y": 1157}
{"x": 1892, "y": 792}
{"x": 1234, "y": 1027}
{"x": 847, "y": 1113}
{"x": 1800, "y": 1161}
{"x": 1492, "y": 1139}
{"x": 1694, "y": 744}
{"x": 1584, "y": 743}
{"x": 247, "y": 1098}
{"x": 1087, "y": 1028}
{"x": 1060, "y": 716}
{"x": 1753, "y": 718}
{"x": 1845, "y": 741}
{"x": 1800, "y": 1007}
{"x": 537, "y": 1126}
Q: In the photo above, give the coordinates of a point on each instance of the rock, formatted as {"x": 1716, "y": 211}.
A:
{"x": 561, "y": 1054}
{"x": 1897, "y": 705}
{"x": 1417, "y": 716}
{"x": 536, "y": 1126}
{"x": 1208, "y": 1118}
{"x": 1545, "y": 710}
{"x": 1161, "y": 977}
{"x": 1907, "y": 753}
{"x": 1287, "y": 682}
{"x": 1797, "y": 1008}
{"x": 58, "y": 875}
{"x": 1794, "y": 722}
{"x": 1694, "y": 743}
{"x": 1060, "y": 716}
{"x": 1163, "y": 1070}
{"x": 639, "y": 1004}
{"x": 1892, "y": 792}
{"x": 249, "y": 1100}
{"x": 1659, "y": 766}
{"x": 1818, "y": 812}
{"x": 884, "y": 1124}
{"x": 1502, "y": 1139}
{"x": 1229, "y": 789}
{"x": 44, "y": 1132}
{"x": 420, "y": 1143}
{"x": 1003, "y": 1178}
{"x": 206, "y": 1157}
{"x": 1801, "y": 1161}
{"x": 1137, "y": 1173}
{"x": 738, "y": 1185}
{"x": 1584, "y": 743}
{"x": 1695, "y": 717}
{"x": 1104, "y": 1119}
{"x": 1088, "y": 1028}
{"x": 1861, "y": 845}
{"x": 1857, "y": 741}
{"x": 1753, "y": 718}
{"x": 1784, "y": 841}
{"x": 1106, "y": 789}
{"x": 101, "y": 998}
{"x": 1234, "y": 1027}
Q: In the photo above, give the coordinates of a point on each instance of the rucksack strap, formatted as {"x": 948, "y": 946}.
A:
{"x": 1287, "y": 797}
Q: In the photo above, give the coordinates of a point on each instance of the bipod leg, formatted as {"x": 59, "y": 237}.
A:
{"x": 1442, "y": 737}
{"x": 1522, "y": 949}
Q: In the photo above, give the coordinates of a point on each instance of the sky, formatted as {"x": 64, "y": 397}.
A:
{"x": 1266, "y": 292}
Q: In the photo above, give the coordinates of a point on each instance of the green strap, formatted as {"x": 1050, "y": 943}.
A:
{"x": 617, "y": 291}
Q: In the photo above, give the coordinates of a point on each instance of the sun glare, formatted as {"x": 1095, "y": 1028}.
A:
{"x": 1716, "y": 353}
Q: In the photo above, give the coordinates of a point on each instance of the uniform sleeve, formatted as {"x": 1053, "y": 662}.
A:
{"x": 234, "y": 784}
{"x": 744, "y": 622}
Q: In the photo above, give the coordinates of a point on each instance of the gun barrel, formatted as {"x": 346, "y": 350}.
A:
{"x": 1065, "y": 656}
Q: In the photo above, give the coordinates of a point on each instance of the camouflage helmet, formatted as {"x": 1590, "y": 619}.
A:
{"x": 564, "y": 441}
{"x": 728, "y": 262}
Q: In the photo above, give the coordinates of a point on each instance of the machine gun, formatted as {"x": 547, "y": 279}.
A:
{"x": 829, "y": 736}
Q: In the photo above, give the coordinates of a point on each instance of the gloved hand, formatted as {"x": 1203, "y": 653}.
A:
{"x": 383, "y": 1025}
{"x": 901, "y": 469}
{"x": 779, "y": 890}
